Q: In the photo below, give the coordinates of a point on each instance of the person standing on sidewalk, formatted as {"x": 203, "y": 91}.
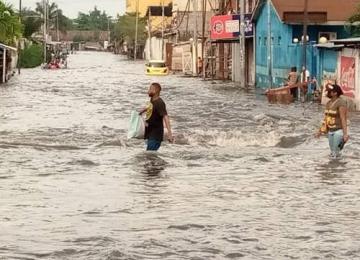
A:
{"x": 156, "y": 116}
{"x": 335, "y": 121}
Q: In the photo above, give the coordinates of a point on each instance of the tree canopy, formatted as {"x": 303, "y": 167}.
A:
{"x": 10, "y": 26}
{"x": 55, "y": 17}
{"x": 94, "y": 20}
{"x": 31, "y": 21}
{"x": 354, "y": 21}
{"x": 125, "y": 28}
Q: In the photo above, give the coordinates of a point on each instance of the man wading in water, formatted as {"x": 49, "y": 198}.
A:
{"x": 335, "y": 121}
{"x": 156, "y": 116}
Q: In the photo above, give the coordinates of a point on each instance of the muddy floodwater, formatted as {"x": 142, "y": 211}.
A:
{"x": 244, "y": 179}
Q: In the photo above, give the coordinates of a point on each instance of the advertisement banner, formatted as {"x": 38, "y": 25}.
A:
{"x": 227, "y": 27}
{"x": 347, "y": 76}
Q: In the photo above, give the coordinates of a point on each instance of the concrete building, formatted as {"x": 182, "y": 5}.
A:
{"x": 225, "y": 46}
{"x": 220, "y": 56}
{"x": 279, "y": 32}
{"x": 143, "y": 5}
{"x": 156, "y": 23}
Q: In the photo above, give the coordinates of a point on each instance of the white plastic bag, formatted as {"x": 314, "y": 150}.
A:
{"x": 136, "y": 126}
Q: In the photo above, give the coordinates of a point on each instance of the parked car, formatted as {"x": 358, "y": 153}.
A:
{"x": 156, "y": 68}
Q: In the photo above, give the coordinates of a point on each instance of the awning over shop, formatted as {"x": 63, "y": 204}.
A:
{"x": 347, "y": 41}
{"x": 329, "y": 45}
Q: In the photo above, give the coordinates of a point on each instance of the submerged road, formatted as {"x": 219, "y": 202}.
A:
{"x": 244, "y": 179}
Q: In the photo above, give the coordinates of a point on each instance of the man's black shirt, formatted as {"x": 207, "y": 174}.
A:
{"x": 154, "y": 118}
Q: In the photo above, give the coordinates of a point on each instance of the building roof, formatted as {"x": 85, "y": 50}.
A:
{"x": 320, "y": 11}
{"x": 337, "y": 11}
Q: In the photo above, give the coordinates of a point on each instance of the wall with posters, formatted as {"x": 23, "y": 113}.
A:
{"x": 327, "y": 67}
{"x": 346, "y": 73}
{"x": 349, "y": 74}
{"x": 225, "y": 32}
{"x": 228, "y": 27}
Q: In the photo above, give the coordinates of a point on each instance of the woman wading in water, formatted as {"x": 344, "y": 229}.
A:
{"x": 335, "y": 121}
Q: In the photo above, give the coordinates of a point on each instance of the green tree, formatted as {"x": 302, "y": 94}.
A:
{"x": 31, "y": 56}
{"x": 10, "y": 26}
{"x": 55, "y": 17}
{"x": 125, "y": 29}
{"x": 354, "y": 23}
{"x": 31, "y": 21}
{"x": 64, "y": 22}
{"x": 94, "y": 20}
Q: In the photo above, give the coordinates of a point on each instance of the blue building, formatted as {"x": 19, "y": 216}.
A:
{"x": 279, "y": 31}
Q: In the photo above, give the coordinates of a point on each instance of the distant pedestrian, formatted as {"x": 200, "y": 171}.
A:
{"x": 305, "y": 87}
{"x": 292, "y": 78}
{"x": 335, "y": 121}
{"x": 156, "y": 116}
{"x": 313, "y": 91}
{"x": 200, "y": 65}
{"x": 305, "y": 75}
{"x": 292, "y": 81}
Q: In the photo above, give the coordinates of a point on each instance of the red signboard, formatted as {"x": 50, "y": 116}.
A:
{"x": 347, "y": 76}
{"x": 228, "y": 27}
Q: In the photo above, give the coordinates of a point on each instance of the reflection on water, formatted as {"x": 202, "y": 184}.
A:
{"x": 150, "y": 164}
{"x": 334, "y": 169}
{"x": 244, "y": 179}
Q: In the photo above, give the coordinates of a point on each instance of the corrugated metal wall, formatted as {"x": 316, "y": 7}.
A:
{"x": 177, "y": 58}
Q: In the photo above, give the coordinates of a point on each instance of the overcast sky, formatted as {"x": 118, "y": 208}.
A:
{"x": 71, "y": 8}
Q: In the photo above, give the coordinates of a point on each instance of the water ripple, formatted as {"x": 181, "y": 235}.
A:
{"x": 244, "y": 179}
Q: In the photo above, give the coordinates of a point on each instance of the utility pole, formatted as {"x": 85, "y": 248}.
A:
{"x": 305, "y": 40}
{"x": 149, "y": 32}
{"x": 45, "y": 25}
{"x": 109, "y": 32}
{"x": 57, "y": 25}
{"x": 243, "y": 83}
{"x": 162, "y": 29}
{"x": 269, "y": 43}
{"x": 203, "y": 7}
{"x": 4, "y": 67}
{"x": 19, "y": 41}
{"x": 195, "y": 7}
{"x": 136, "y": 29}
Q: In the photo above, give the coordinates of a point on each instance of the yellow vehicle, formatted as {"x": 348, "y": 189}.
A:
{"x": 156, "y": 68}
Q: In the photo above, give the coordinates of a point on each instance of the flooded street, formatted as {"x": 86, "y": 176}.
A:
{"x": 244, "y": 179}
